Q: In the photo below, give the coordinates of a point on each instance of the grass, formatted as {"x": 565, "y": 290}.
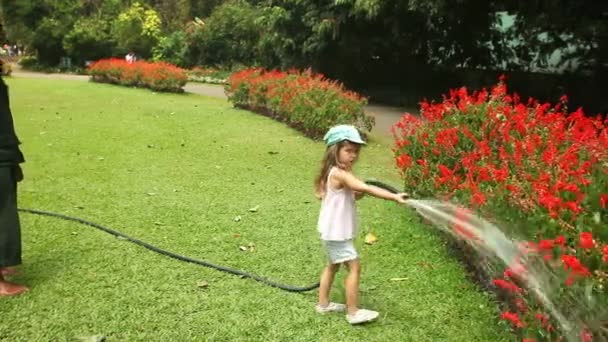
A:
{"x": 175, "y": 171}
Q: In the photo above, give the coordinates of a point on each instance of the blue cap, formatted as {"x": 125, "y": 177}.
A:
{"x": 340, "y": 133}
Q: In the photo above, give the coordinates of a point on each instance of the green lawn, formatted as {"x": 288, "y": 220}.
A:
{"x": 175, "y": 171}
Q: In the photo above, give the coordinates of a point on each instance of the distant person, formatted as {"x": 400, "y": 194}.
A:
{"x": 10, "y": 175}
{"x": 130, "y": 57}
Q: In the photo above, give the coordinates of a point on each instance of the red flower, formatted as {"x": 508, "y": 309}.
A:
{"x": 513, "y": 318}
{"x": 512, "y": 188}
{"x": 422, "y": 162}
{"x": 586, "y": 240}
{"x": 546, "y": 244}
{"x": 549, "y": 201}
{"x": 576, "y": 268}
{"x": 521, "y": 305}
{"x": 478, "y": 198}
{"x": 571, "y": 262}
{"x": 541, "y": 318}
{"x": 574, "y": 207}
{"x": 586, "y": 336}
{"x": 506, "y": 285}
{"x": 404, "y": 161}
{"x": 604, "y": 200}
{"x": 444, "y": 171}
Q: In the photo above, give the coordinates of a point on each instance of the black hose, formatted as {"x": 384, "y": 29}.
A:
{"x": 383, "y": 186}
{"x": 174, "y": 255}
{"x": 243, "y": 274}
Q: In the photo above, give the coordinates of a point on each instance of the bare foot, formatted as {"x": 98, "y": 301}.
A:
{"x": 8, "y": 271}
{"x": 11, "y": 289}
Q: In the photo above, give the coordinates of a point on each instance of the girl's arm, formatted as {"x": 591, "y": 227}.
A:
{"x": 347, "y": 179}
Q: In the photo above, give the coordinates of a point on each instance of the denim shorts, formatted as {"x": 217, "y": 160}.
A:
{"x": 340, "y": 251}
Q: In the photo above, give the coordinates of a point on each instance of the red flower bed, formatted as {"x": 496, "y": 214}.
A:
{"x": 306, "y": 101}
{"x": 158, "y": 76}
{"x": 536, "y": 167}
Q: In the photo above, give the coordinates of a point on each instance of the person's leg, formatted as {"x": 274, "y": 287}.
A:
{"x": 327, "y": 280}
{"x": 8, "y": 271}
{"x": 351, "y": 284}
{"x": 8, "y": 288}
{"x": 10, "y": 232}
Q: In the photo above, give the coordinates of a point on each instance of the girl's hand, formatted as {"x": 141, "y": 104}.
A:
{"x": 401, "y": 197}
{"x": 359, "y": 195}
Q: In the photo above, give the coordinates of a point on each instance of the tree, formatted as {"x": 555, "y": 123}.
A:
{"x": 203, "y": 8}
{"x": 545, "y": 26}
{"x": 229, "y": 36}
{"x": 90, "y": 39}
{"x": 173, "y": 13}
{"x": 137, "y": 29}
{"x": 172, "y": 48}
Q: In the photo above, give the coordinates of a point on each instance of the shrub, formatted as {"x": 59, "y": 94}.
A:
{"x": 6, "y": 68}
{"x": 172, "y": 49}
{"x": 47, "y": 40}
{"x": 304, "y": 100}
{"x": 536, "y": 167}
{"x": 89, "y": 40}
{"x": 137, "y": 29}
{"x": 28, "y": 62}
{"x": 157, "y": 76}
{"x": 229, "y": 36}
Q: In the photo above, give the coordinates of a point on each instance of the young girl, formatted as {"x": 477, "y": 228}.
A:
{"x": 338, "y": 189}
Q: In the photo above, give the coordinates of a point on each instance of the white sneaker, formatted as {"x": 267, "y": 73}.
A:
{"x": 362, "y": 316}
{"x": 331, "y": 307}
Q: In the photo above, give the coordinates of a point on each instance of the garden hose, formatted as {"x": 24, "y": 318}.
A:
{"x": 234, "y": 271}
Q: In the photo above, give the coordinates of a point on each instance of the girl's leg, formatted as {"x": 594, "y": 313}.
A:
{"x": 351, "y": 283}
{"x": 327, "y": 279}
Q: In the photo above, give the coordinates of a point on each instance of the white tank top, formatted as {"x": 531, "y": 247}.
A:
{"x": 338, "y": 217}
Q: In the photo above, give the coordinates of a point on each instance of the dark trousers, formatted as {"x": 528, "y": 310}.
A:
{"x": 10, "y": 230}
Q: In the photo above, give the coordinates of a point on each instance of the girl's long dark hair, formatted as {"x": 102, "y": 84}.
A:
{"x": 330, "y": 159}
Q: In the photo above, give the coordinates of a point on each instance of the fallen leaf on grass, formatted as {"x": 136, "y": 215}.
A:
{"x": 237, "y": 218}
{"x": 398, "y": 279}
{"x": 202, "y": 284}
{"x": 250, "y": 247}
{"x": 94, "y": 338}
{"x": 254, "y": 209}
{"x": 370, "y": 239}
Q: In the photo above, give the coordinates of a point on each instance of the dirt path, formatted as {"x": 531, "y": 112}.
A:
{"x": 386, "y": 116}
